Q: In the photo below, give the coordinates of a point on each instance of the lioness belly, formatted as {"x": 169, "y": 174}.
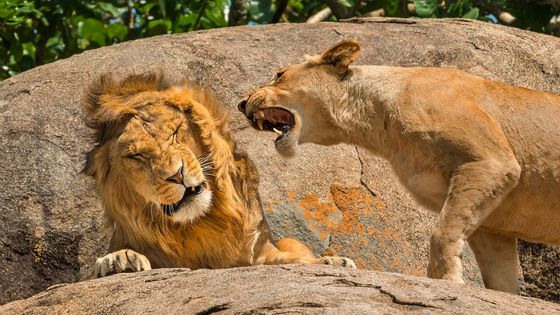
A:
{"x": 530, "y": 212}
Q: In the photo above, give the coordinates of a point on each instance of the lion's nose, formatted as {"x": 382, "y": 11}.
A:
{"x": 241, "y": 106}
{"x": 177, "y": 177}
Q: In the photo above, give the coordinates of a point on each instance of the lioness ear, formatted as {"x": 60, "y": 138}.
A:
{"x": 342, "y": 54}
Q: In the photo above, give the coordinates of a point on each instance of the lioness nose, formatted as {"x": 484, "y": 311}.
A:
{"x": 241, "y": 106}
{"x": 177, "y": 177}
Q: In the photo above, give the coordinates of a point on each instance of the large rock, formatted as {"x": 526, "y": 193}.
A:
{"x": 273, "y": 290}
{"x": 337, "y": 199}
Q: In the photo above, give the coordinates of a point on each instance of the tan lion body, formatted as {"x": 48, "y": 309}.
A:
{"x": 174, "y": 191}
{"x": 484, "y": 155}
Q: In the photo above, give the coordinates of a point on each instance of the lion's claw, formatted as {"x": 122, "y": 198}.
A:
{"x": 337, "y": 261}
{"x": 125, "y": 260}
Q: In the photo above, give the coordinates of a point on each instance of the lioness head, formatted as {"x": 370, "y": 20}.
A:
{"x": 151, "y": 155}
{"x": 301, "y": 93}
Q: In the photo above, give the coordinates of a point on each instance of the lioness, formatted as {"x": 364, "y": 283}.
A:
{"x": 484, "y": 155}
{"x": 174, "y": 192}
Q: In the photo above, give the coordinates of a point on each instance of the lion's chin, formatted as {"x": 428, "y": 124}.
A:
{"x": 193, "y": 209}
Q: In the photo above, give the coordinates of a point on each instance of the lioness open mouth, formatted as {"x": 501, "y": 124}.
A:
{"x": 189, "y": 192}
{"x": 278, "y": 120}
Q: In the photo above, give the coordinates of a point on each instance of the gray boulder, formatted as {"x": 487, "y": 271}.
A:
{"x": 338, "y": 199}
{"x": 285, "y": 289}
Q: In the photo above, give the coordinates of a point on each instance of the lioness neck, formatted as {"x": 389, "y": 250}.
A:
{"x": 363, "y": 112}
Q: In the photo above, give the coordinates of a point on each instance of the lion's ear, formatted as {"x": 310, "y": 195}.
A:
{"x": 105, "y": 101}
{"x": 342, "y": 54}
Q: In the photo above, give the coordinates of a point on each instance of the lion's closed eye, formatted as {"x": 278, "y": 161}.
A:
{"x": 139, "y": 157}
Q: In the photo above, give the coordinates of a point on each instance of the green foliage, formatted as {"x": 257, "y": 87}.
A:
{"x": 41, "y": 31}
{"x": 426, "y": 8}
{"x": 35, "y": 32}
{"x": 392, "y": 7}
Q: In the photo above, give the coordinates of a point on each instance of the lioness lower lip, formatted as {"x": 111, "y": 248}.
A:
{"x": 278, "y": 132}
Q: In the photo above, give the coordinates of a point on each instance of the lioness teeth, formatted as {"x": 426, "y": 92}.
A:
{"x": 260, "y": 123}
{"x": 278, "y": 132}
{"x": 259, "y": 115}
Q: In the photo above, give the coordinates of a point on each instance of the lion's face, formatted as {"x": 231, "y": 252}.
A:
{"x": 161, "y": 158}
{"x": 294, "y": 103}
{"x": 158, "y": 145}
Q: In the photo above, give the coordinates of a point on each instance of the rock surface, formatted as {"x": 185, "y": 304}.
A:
{"x": 273, "y": 290}
{"x": 337, "y": 199}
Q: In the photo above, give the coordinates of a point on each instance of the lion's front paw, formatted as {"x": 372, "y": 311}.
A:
{"x": 125, "y": 260}
{"x": 337, "y": 261}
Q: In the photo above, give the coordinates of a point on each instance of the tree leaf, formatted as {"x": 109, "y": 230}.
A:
{"x": 92, "y": 27}
{"x": 93, "y": 31}
{"x": 391, "y": 7}
{"x": 161, "y": 4}
{"x": 110, "y": 8}
{"x": 346, "y": 3}
{"x": 117, "y": 31}
{"x": 6, "y": 13}
{"x": 260, "y": 11}
{"x": 426, "y": 8}
{"x": 160, "y": 26}
{"x": 472, "y": 14}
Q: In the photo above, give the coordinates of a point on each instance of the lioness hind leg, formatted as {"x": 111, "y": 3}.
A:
{"x": 121, "y": 261}
{"x": 476, "y": 189}
{"x": 496, "y": 256}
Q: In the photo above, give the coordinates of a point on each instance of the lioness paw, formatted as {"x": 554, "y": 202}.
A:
{"x": 337, "y": 261}
{"x": 125, "y": 260}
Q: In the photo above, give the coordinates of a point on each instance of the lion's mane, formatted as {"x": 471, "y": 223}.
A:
{"x": 223, "y": 237}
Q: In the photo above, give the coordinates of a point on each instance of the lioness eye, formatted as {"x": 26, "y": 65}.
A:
{"x": 279, "y": 74}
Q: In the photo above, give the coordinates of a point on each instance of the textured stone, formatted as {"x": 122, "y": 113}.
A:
{"x": 273, "y": 290}
{"x": 336, "y": 199}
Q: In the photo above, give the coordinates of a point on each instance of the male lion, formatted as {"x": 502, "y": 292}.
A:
{"x": 174, "y": 192}
{"x": 484, "y": 155}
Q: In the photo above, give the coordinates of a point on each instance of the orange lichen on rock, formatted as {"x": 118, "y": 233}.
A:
{"x": 362, "y": 222}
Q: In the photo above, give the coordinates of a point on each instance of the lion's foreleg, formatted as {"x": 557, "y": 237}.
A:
{"x": 476, "y": 189}
{"x": 291, "y": 251}
{"x": 496, "y": 256}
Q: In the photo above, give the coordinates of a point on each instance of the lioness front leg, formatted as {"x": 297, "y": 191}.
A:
{"x": 291, "y": 251}
{"x": 121, "y": 261}
{"x": 476, "y": 189}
